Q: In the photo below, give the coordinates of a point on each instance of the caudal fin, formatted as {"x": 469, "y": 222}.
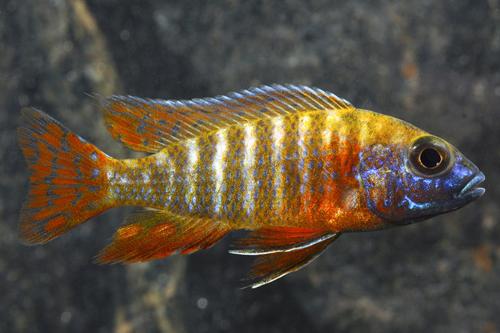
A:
{"x": 67, "y": 178}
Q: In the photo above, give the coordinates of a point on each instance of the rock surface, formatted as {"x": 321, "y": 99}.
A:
{"x": 435, "y": 64}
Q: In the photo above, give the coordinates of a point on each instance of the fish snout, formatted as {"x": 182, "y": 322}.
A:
{"x": 471, "y": 191}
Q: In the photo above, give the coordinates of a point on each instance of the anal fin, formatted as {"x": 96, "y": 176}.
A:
{"x": 270, "y": 267}
{"x": 155, "y": 234}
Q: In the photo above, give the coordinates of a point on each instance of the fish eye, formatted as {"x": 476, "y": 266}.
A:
{"x": 430, "y": 156}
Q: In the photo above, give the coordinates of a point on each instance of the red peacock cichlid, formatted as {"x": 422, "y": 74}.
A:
{"x": 294, "y": 165}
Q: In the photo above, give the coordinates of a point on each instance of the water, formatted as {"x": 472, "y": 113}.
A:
{"x": 435, "y": 64}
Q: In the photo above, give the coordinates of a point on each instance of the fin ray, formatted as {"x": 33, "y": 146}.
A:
{"x": 278, "y": 239}
{"x": 155, "y": 234}
{"x": 271, "y": 267}
{"x": 67, "y": 186}
{"x": 149, "y": 125}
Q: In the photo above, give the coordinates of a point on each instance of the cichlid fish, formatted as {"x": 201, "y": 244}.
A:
{"x": 295, "y": 166}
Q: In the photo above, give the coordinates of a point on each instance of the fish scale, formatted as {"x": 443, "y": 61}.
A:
{"x": 196, "y": 190}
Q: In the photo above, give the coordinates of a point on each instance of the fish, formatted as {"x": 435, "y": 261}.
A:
{"x": 291, "y": 167}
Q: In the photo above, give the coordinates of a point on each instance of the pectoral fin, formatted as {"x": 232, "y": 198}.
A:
{"x": 270, "y": 267}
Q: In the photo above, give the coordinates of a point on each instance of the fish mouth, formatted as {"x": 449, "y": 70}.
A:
{"x": 471, "y": 191}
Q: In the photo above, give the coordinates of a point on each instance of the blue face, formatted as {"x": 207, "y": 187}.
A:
{"x": 409, "y": 184}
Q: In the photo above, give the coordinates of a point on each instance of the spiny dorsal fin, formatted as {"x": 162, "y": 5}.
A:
{"x": 270, "y": 267}
{"x": 149, "y": 125}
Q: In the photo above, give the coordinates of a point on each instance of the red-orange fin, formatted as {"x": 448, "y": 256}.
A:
{"x": 155, "y": 234}
{"x": 278, "y": 239}
{"x": 67, "y": 178}
{"x": 270, "y": 267}
{"x": 150, "y": 124}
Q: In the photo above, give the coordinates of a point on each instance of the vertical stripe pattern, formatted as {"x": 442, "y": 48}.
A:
{"x": 248, "y": 168}
{"x": 219, "y": 167}
{"x": 304, "y": 124}
{"x": 191, "y": 174}
{"x": 278, "y": 168}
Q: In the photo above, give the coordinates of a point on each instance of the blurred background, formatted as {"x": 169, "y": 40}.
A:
{"x": 433, "y": 63}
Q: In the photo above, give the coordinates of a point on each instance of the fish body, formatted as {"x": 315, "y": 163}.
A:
{"x": 300, "y": 169}
{"x": 296, "y": 166}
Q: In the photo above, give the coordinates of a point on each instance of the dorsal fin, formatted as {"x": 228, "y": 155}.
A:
{"x": 149, "y": 125}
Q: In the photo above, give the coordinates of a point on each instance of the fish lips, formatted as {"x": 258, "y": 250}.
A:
{"x": 471, "y": 191}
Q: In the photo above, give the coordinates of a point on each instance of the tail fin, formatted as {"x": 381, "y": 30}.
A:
{"x": 67, "y": 178}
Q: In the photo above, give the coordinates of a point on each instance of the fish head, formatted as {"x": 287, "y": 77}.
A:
{"x": 419, "y": 178}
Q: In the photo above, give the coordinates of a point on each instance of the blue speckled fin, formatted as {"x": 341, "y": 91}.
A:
{"x": 151, "y": 124}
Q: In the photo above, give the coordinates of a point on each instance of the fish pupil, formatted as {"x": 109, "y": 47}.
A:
{"x": 430, "y": 158}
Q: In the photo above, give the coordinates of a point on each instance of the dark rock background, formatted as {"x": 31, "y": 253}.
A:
{"x": 433, "y": 63}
